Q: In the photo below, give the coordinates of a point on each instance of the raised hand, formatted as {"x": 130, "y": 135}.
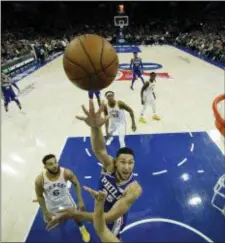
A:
{"x": 97, "y": 195}
{"x": 93, "y": 119}
{"x": 63, "y": 215}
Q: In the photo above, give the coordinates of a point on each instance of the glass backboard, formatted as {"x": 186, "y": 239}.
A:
{"x": 121, "y": 21}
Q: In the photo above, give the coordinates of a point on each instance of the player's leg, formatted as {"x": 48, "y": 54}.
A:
{"x": 140, "y": 76}
{"x": 144, "y": 107}
{"x": 97, "y": 94}
{"x": 121, "y": 133}
{"x": 133, "y": 80}
{"x": 112, "y": 130}
{"x": 90, "y": 94}
{"x": 14, "y": 98}
{"x": 70, "y": 203}
{"x": 118, "y": 226}
{"x": 6, "y": 104}
{"x": 17, "y": 102}
{"x": 153, "y": 105}
{"x": 99, "y": 222}
{"x": 6, "y": 98}
{"x": 84, "y": 233}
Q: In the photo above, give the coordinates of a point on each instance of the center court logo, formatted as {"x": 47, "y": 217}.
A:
{"x": 147, "y": 66}
{"x": 119, "y": 75}
{"x": 124, "y": 72}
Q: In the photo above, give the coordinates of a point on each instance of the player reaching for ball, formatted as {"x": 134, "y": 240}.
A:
{"x": 148, "y": 97}
{"x": 98, "y": 216}
{"x": 137, "y": 68}
{"x": 8, "y": 92}
{"x": 97, "y": 93}
{"x": 117, "y": 180}
{"x": 117, "y": 122}
{"x": 53, "y": 194}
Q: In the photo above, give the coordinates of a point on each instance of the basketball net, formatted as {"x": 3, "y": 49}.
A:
{"x": 218, "y": 110}
{"x": 219, "y": 114}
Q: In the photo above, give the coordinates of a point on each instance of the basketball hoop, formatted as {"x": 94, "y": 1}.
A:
{"x": 219, "y": 120}
{"x": 121, "y": 21}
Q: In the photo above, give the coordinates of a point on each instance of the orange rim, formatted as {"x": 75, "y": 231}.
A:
{"x": 219, "y": 121}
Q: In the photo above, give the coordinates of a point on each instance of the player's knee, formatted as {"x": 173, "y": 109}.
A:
{"x": 16, "y": 100}
{"x": 122, "y": 141}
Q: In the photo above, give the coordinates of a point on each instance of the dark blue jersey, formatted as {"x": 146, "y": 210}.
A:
{"x": 136, "y": 64}
{"x": 114, "y": 192}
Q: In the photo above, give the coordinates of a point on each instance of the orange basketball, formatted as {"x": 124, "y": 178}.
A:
{"x": 90, "y": 62}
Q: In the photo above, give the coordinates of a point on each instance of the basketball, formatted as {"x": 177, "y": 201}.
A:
{"x": 90, "y": 62}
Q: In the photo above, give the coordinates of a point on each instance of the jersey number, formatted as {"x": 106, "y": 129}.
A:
{"x": 115, "y": 115}
{"x": 109, "y": 197}
{"x": 55, "y": 193}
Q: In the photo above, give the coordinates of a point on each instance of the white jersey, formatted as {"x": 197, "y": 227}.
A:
{"x": 148, "y": 93}
{"x": 56, "y": 193}
{"x": 117, "y": 115}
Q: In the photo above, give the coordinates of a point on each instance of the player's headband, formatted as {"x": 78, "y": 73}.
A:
{"x": 109, "y": 93}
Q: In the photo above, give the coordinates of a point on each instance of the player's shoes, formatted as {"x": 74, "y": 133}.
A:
{"x": 22, "y": 112}
{"x": 85, "y": 234}
{"x": 142, "y": 119}
{"x": 155, "y": 117}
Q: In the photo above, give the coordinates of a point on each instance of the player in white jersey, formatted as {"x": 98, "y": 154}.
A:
{"x": 117, "y": 121}
{"x": 53, "y": 194}
{"x": 148, "y": 97}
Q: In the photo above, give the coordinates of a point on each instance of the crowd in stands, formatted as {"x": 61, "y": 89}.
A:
{"x": 207, "y": 38}
{"x": 15, "y": 45}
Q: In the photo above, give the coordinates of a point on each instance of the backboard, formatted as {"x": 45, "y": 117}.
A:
{"x": 121, "y": 21}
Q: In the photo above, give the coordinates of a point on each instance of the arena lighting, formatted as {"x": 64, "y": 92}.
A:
{"x": 121, "y": 9}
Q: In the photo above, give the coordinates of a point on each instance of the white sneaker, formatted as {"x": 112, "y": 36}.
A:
{"x": 23, "y": 113}
{"x": 109, "y": 141}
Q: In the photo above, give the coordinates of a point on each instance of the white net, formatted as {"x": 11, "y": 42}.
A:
{"x": 221, "y": 108}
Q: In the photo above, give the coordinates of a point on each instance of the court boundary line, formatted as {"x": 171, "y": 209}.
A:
{"x": 205, "y": 59}
{"x": 82, "y": 137}
{"x": 38, "y": 207}
{"x": 164, "y": 220}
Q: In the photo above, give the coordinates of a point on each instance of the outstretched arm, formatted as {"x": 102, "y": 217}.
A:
{"x": 95, "y": 120}
{"x": 107, "y": 122}
{"x": 69, "y": 175}
{"x": 15, "y": 85}
{"x": 99, "y": 221}
{"x": 99, "y": 148}
{"x": 120, "y": 208}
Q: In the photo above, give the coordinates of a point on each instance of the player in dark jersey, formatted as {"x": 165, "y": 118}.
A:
{"x": 117, "y": 179}
{"x": 8, "y": 92}
{"x": 97, "y": 93}
{"x": 137, "y": 68}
